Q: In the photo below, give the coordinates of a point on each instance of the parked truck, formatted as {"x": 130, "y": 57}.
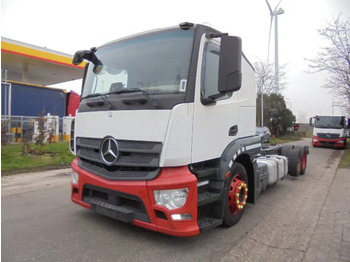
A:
{"x": 330, "y": 131}
{"x": 23, "y": 103}
{"x": 165, "y": 132}
{"x": 24, "y": 99}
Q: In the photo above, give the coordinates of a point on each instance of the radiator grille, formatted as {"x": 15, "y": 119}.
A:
{"x": 328, "y": 135}
{"x": 137, "y": 160}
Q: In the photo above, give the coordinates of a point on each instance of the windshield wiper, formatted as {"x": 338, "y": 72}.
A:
{"x": 103, "y": 96}
{"x": 135, "y": 90}
{"x": 92, "y": 95}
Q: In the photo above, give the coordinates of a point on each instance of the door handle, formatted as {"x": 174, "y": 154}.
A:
{"x": 233, "y": 130}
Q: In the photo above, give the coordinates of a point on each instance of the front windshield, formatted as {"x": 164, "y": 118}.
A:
{"x": 329, "y": 122}
{"x": 157, "y": 63}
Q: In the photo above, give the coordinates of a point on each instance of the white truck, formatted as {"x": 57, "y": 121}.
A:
{"x": 330, "y": 131}
{"x": 165, "y": 132}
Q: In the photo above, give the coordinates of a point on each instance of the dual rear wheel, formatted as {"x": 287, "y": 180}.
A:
{"x": 237, "y": 191}
{"x": 297, "y": 159}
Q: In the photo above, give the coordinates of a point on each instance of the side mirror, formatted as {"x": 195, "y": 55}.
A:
{"x": 230, "y": 64}
{"x": 312, "y": 121}
{"x": 79, "y": 56}
{"x": 89, "y": 55}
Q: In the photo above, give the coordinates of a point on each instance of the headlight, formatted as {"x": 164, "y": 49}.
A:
{"x": 75, "y": 177}
{"x": 171, "y": 199}
{"x": 315, "y": 140}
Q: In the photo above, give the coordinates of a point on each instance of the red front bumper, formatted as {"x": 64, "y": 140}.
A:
{"x": 169, "y": 178}
{"x": 336, "y": 143}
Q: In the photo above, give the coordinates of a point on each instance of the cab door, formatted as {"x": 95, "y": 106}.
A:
{"x": 215, "y": 125}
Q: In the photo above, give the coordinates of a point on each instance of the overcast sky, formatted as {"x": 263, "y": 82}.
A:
{"x": 71, "y": 25}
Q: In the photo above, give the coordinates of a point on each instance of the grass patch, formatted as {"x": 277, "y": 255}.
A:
{"x": 290, "y": 137}
{"x": 22, "y": 158}
{"x": 345, "y": 158}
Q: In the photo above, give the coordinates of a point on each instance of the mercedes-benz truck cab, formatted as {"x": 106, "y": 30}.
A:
{"x": 165, "y": 131}
{"x": 329, "y": 131}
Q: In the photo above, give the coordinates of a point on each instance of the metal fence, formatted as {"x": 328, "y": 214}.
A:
{"x": 19, "y": 129}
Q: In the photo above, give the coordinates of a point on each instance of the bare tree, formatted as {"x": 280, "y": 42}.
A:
{"x": 266, "y": 80}
{"x": 266, "y": 84}
{"x": 302, "y": 117}
{"x": 335, "y": 59}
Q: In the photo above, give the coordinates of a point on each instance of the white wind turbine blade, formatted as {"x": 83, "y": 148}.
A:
{"x": 269, "y": 6}
{"x": 268, "y": 45}
{"x": 277, "y": 5}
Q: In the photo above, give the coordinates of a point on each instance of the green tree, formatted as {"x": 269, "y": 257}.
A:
{"x": 277, "y": 117}
{"x": 265, "y": 80}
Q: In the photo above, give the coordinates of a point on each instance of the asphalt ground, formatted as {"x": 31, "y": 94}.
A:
{"x": 299, "y": 219}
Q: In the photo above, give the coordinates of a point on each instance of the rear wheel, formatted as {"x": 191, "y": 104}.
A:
{"x": 295, "y": 162}
{"x": 237, "y": 195}
{"x": 286, "y": 149}
{"x": 303, "y": 153}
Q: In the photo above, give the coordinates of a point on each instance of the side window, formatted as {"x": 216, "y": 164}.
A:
{"x": 210, "y": 72}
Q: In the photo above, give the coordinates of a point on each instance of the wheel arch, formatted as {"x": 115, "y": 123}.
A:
{"x": 242, "y": 151}
{"x": 250, "y": 167}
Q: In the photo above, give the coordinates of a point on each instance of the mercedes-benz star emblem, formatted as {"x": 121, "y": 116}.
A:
{"x": 109, "y": 150}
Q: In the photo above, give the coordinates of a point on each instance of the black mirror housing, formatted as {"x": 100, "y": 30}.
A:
{"x": 79, "y": 56}
{"x": 89, "y": 55}
{"x": 230, "y": 64}
{"x": 312, "y": 121}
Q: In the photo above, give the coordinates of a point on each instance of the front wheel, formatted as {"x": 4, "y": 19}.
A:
{"x": 237, "y": 194}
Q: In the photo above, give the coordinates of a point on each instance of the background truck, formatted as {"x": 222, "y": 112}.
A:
{"x": 330, "y": 131}
{"x": 23, "y": 99}
{"x": 22, "y": 104}
{"x": 165, "y": 132}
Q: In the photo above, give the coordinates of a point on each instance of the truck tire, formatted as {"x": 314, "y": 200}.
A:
{"x": 294, "y": 162}
{"x": 303, "y": 153}
{"x": 236, "y": 196}
{"x": 286, "y": 150}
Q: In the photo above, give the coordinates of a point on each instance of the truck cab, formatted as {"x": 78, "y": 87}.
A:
{"x": 165, "y": 131}
{"x": 329, "y": 131}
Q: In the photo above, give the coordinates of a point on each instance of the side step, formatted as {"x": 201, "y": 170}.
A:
{"x": 206, "y": 173}
{"x": 207, "y": 198}
{"x": 209, "y": 223}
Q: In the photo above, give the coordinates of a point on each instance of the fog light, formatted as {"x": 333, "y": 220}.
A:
{"x": 171, "y": 199}
{"x": 186, "y": 216}
{"x": 75, "y": 177}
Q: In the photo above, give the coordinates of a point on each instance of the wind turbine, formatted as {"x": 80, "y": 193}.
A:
{"x": 273, "y": 14}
